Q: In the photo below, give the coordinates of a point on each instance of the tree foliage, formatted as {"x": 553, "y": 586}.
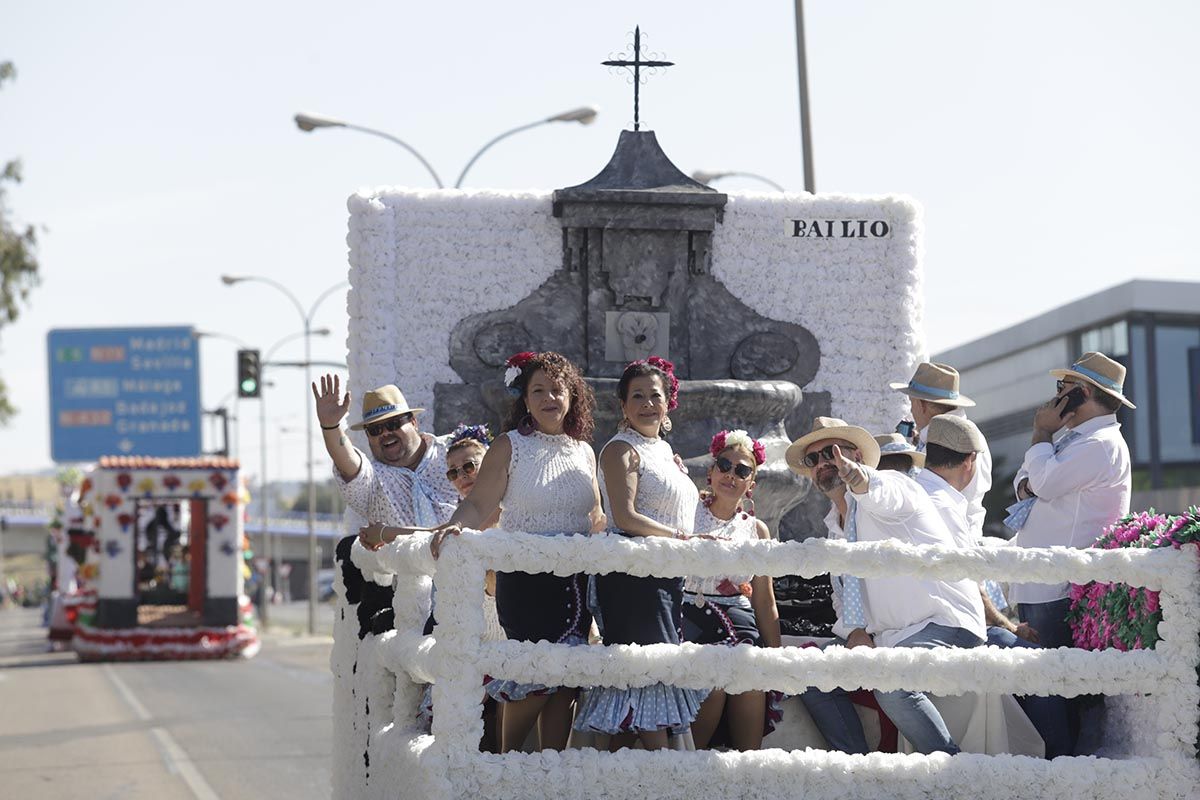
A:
{"x": 18, "y": 254}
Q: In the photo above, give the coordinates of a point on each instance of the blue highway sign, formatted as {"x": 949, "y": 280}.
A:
{"x": 124, "y": 391}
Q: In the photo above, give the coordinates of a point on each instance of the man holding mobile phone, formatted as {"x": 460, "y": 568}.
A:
{"x": 1081, "y": 480}
{"x": 1070, "y": 487}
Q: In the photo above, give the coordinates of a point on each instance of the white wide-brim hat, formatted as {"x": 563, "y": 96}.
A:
{"x": 825, "y": 428}
{"x": 893, "y": 444}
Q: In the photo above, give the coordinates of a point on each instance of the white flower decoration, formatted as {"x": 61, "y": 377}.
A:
{"x": 511, "y": 374}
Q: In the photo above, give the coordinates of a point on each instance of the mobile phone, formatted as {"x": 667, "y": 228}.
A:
{"x": 905, "y": 428}
{"x": 1075, "y": 399}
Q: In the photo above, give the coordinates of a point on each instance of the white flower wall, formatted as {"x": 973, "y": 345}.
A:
{"x": 421, "y": 261}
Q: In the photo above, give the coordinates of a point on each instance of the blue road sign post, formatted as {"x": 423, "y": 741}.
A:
{"x": 124, "y": 391}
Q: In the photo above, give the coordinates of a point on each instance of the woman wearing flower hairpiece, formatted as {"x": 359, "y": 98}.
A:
{"x": 542, "y": 476}
{"x": 734, "y": 609}
{"x": 647, "y": 494}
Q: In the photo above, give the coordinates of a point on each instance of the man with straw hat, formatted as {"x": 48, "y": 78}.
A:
{"x": 899, "y": 454}
{"x": 933, "y": 391}
{"x": 898, "y": 611}
{"x": 952, "y": 452}
{"x": 404, "y": 483}
{"x": 1071, "y": 487}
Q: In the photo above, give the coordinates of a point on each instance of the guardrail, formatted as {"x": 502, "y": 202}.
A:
{"x": 381, "y": 752}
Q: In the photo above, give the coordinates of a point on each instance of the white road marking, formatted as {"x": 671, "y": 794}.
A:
{"x": 175, "y": 757}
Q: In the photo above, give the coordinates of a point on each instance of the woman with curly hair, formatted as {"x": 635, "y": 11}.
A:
{"x": 647, "y": 493}
{"x": 541, "y": 474}
{"x": 734, "y": 609}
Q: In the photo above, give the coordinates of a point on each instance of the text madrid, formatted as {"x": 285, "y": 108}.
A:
{"x": 838, "y": 229}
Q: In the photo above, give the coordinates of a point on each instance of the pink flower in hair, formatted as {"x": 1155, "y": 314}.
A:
{"x": 738, "y": 438}
{"x": 668, "y": 369}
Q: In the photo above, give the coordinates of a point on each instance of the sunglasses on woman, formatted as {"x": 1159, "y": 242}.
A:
{"x": 466, "y": 469}
{"x": 743, "y": 471}
{"x": 393, "y": 424}
{"x": 826, "y": 453}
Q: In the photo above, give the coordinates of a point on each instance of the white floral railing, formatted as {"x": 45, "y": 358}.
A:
{"x": 381, "y": 752}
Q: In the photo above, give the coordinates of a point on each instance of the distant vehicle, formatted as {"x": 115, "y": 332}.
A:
{"x": 325, "y": 591}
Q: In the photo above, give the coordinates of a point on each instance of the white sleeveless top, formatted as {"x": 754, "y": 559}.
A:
{"x": 665, "y": 493}
{"x": 742, "y": 528}
{"x": 550, "y": 484}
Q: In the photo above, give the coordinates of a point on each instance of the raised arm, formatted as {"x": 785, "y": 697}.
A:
{"x": 331, "y": 410}
{"x": 619, "y": 468}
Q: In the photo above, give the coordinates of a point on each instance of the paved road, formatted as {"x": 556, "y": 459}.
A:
{"x": 193, "y": 730}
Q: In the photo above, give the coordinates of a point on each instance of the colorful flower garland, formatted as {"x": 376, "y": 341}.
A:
{"x": 1116, "y": 615}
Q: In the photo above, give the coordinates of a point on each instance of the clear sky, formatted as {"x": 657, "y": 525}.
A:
{"x": 1053, "y": 146}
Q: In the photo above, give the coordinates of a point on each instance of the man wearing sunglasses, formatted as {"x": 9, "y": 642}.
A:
{"x": 870, "y": 505}
{"x": 404, "y": 482}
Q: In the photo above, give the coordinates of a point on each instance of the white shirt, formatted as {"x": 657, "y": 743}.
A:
{"x": 1081, "y": 491}
{"x": 951, "y": 506}
{"x": 980, "y": 482}
{"x": 401, "y": 496}
{"x": 895, "y": 507}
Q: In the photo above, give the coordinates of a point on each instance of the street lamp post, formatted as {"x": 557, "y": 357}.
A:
{"x": 230, "y": 280}
{"x": 310, "y": 122}
{"x": 265, "y": 510}
{"x": 584, "y": 115}
{"x": 708, "y": 176}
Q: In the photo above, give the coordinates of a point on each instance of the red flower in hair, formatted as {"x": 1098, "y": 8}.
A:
{"x": 519, "y": 360}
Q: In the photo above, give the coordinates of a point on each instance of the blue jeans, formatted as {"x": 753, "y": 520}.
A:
{"x": 835, "y": 717}
{"x": 1049, "y": 620}
{"x": 1048, "y": 714}
{"x": 1083, "y": 712}
{"x": 912, "y": 712}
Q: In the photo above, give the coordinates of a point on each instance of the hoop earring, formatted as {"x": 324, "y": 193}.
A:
{"x": 666, "y": 425}
{"x": 527, "y": 425}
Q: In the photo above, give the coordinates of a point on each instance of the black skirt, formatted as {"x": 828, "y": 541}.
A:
{"x": 635, "y": 610}
{"x": 535, "y": 607}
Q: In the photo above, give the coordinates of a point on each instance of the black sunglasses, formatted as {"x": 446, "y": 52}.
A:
{"x": 466, "y": 469}
{"x": 393, "y": 424}
{"x": 1060, "y": 385}
{"x": 826, "y": 452}
{"x": 743, "y": 471}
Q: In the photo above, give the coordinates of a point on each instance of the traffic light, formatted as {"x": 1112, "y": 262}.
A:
{"x": 249, "y": 374}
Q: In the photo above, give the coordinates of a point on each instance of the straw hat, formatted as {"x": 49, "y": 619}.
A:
{"x": 937, "y": 383}
{"x": 383, "y": 403}
{"x": 1100, "y": 371}
{"x": 893, "y": 444}
{"x": 955, "y": 433}
{"x": 825, "y": 428}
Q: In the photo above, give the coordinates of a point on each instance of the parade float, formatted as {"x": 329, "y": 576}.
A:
{"x": 131, "y": 609}
{"x": 775, "y": 308}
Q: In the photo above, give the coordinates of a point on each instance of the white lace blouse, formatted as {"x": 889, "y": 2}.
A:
{"x": 742, "y": 528}
{"x": 551, "y": 483}
{"x": 665, "y": 493}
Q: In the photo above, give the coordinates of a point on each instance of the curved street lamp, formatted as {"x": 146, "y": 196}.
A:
{"x": 584, "y": 115}
{"x": 310, "y": 122}
{"x": 708, "y": 176}
{"x": 306, "y": 317}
